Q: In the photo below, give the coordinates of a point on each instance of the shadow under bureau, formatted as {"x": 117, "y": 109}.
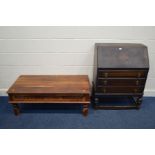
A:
{"x": 120, "y": 70}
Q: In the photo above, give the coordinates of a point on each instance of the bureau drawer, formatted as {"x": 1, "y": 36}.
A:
{"x": 101, "y": 89}
{"x": 122, "y": 73}
{"x": 120, "y": 82}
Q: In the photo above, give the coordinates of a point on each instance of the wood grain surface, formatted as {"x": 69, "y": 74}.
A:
{"x": 51, "y": 84}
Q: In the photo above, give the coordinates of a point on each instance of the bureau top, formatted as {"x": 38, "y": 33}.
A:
{"x": 51, "y": 84}
{"x": 122, "y": 55}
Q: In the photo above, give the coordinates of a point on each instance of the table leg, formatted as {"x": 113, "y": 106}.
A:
{"x": 85, "y": 109}
{"x": 16, "y": 109}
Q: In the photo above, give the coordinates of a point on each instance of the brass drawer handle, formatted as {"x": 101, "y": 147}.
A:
{"x": 104, "y": 90}
{"x": 137, "y": 82}
{"x": 105, "y": 75}
{"x": 139, "y": 75}
{"x": 105, "y": 82}
{"x": 135, "y": 90}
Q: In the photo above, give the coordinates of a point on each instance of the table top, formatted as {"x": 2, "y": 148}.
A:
{"x": 51, "y": 84}
{"x": 122, "y": 55}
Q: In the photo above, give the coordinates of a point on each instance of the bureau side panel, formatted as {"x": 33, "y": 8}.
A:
{"x": 95, "y": 65}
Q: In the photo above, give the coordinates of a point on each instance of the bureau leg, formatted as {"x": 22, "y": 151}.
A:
{"x": 139, "y": 102}
{"x": 16, "y": 109}
{"x": 85, "y": 109}
{"x": 96, "y": 100}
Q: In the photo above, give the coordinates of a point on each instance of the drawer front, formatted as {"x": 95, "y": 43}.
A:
{"x": 122, "y": 73}
{"x": 120, "y": 82}
{"x": 120, "y": 89}
{"x": 53, "y": 97}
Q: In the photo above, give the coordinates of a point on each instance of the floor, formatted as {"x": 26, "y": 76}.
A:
{"x": 69, "y": 117}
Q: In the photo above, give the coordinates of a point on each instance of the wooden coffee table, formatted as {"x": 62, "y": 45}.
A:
{"x": 66, "y": 89}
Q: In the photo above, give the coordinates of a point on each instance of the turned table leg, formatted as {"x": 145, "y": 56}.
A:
{"x": 85, "y": 109}
{"x": 16, "y": 109}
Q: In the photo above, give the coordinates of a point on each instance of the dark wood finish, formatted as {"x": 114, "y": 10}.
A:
{"x": 115, "y": 107}
{"x": 67, "y": 89}
{"x": 124, "y": 89}
{"x": 122, "y": 56}
{"x": 119, "y": 70}
{"x": 121, "y": 82}
{"x": 122, "y": 73}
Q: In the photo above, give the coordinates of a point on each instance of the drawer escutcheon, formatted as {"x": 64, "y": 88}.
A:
{"x": 105, "y": 82}
{"x": 139, "y": 75}
{"x": 105, "y": 75}
{"x": 137, "y": 82}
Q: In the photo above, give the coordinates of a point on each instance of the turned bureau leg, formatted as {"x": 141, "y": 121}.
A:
{"x": 85, "y": 109}
{"x": 139, "y": 102}
{"x": 16, "y": 109}
{"x": 96, "y": 100}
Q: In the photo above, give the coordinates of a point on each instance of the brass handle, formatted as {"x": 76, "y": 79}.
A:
{"x": 105, "y": 82}
{"x": 139, "y": 75}
{"x": 135, "y": 90}
{"x": 106, "y": 75}
{"x": 104, "y": 90}
{"x": 137, "y": 82}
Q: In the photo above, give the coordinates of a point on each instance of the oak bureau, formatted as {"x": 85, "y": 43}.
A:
{"x": 120, "y": 70}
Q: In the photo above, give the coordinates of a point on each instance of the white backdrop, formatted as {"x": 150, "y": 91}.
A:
{"x": 64, "y": 50}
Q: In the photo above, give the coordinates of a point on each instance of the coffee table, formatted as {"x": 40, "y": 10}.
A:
{"x": 64, "y": 89}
